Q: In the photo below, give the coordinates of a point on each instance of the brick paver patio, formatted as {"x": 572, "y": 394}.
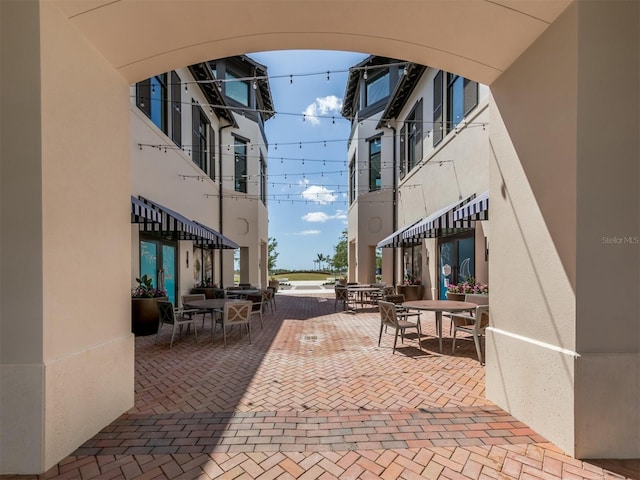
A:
{"x": 313, "y": 397}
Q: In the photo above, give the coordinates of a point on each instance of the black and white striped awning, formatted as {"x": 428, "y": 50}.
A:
{"x": 395, "y": 239}
{"x": 141, "y": 213}
{"x": 476, "y": 209}
{"x": 440, "y": 223}
{"x": 175, "y": 226}
{"x": 222, "y": 241}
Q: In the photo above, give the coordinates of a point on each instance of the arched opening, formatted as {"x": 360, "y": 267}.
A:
{"x": 546, "y": 66}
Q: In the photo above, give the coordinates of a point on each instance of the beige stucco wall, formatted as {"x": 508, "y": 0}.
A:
{"x": 76, "y": 185}
{"x": 557, "y": 339}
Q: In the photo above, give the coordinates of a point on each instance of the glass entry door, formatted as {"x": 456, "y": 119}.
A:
{"x": 457, "y": 262}
{"x": 158, "y": 261}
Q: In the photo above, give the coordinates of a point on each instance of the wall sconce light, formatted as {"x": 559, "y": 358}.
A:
{"x": 187, "y": 258}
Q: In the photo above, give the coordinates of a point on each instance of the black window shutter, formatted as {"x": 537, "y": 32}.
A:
{"x": 143, "y": 96}
{"x": 195, "y": 136}
{"x": 437, "y": 109}
{"x": 212, "y": 152}
{"x": 470, "y": 95}
{"x": 176, "y": 109}
{"x": 419, "y": 129}
{"x": 403, "y": 151}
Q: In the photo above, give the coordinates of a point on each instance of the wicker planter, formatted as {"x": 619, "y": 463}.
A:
{"x": 458, "y": 297}
{"x": 411, "y": 292}
{"x": 145, "y": 316}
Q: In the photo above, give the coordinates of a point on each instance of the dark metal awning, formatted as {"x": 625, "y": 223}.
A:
{"x": 175, "y": 226}
{"x": 440, "y": 223}
{"x": 141, "y": 212}
{"x": 222, "y": 241}
{"x": 476, "y": 209}
{"x": 395, "y": 239}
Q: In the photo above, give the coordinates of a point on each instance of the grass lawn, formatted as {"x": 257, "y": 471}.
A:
{"x": 303, "y": 276}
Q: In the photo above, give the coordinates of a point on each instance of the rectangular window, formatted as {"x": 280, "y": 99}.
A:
{"x": 413, "y": 141}
{"x": 352, "y": 180}
{"x": 438, "y": 131}
{"x": 236, "y": 89}
{"x": 176, "y": 109}
{"x": 263, "y": 180}
{"x": 375, "y": 148}
{"x": 199, "y": 128}
{"x": 377, "y": 88}
{"x": 462, "y": 97}
{"x": 240, "y": 154}
{"x": 151, "y": 98}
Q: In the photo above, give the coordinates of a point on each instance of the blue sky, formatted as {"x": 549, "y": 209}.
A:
{"x": 307, "y": 177}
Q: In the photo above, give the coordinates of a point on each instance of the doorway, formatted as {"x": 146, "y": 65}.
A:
{"x": 457, "y": 261}
{"x": 158, "y": 261}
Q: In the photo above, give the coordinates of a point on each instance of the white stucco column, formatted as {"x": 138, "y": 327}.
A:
{"x": 563, "y": 349}
{"x": 67, "y": 353}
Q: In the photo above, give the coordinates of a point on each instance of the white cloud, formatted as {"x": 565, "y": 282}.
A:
{"x": 321, "y": 217}
{"x": 319, "y": 194}
{"x": 308, "y": 232}
{"x": 325, "y": 106}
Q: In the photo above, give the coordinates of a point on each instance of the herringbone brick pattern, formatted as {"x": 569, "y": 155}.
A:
{"x": 313, "y": 397}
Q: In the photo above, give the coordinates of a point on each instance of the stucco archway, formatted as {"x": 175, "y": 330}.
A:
{"x": 66, "y": 67}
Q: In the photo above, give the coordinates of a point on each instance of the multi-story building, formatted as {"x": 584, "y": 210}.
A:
{"x": 199, "y": 166}
{"x": 418, "y": 154}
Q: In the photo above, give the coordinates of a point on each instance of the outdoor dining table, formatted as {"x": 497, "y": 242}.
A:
{"x": 240, "y": 292}
{"x": 212, "y": 304}
{"x": 439, "y": 306}
{"x": 361, "y": 290}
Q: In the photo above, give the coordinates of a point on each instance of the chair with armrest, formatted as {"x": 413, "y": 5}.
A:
{"x": 389, "y": 318}
{"x": 175, "y": 317}
{"x": 185, "y": 299}
{"x": 474, "y": 325}
{"x": 236, "y": 313}
{"x": 343, "y": 295}
{"x": 257, "y": 304}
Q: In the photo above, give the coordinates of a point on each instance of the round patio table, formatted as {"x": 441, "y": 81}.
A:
{"x": 439, "y": 306}
{"x": 362, "y": 290}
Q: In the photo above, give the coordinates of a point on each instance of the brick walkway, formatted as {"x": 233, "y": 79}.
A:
{"x": 313, "y": 397}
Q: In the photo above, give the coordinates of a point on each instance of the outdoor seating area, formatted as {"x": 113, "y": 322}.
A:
{"x": 308, "y": 398}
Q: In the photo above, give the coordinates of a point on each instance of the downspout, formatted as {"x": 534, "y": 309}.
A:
{"x": 220, "y": 209}
{"x": 394, "y": 209}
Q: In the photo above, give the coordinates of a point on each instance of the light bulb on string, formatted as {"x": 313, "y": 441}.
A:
{"x": 366, "y": 75}
{"x": 328, "y": 76}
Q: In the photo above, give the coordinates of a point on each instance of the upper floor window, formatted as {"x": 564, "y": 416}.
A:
{"x": 162, "y": 103}
{"x": 151, "y": 98}
{"x": 377, "y": 88}
{"x": 352, "y": 180}
{"x": 411, "y": 139}
{"x": 203, "y": 141}
{"x": 462, "y": 97}
{"x": 240, "y": 173}
{"x": 375, "y": 154}
{"x": 236, "y": 89}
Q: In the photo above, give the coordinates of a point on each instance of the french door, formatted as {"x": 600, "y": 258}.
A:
{"x": 457, "y": 262}
{"x": 158, "y": 261}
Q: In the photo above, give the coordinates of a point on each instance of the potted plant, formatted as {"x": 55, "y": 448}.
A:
{"x": 412, "y": 288}
{"x": 144, "y": 306}
{"x": 459, "y": 290}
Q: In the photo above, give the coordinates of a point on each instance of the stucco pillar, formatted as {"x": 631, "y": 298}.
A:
{"x": 563, "y": 349}
{"x": 67, "y": 354}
